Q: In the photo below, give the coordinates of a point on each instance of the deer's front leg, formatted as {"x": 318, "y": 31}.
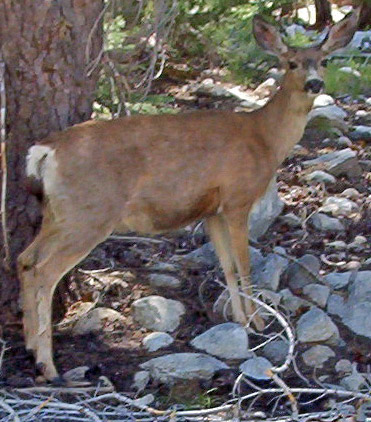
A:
{"x": 219, "y": 235}
{"x": 237, "y": 223}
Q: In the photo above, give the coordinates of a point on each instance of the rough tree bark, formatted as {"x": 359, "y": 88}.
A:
{"x": 46, "y": 45}
{"x": 323, "y": 14}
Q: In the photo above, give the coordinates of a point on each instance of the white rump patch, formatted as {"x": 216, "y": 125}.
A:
{"x": 37, "y": 158}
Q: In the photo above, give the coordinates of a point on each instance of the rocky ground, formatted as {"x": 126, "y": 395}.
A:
{"x": 148, "y": 313}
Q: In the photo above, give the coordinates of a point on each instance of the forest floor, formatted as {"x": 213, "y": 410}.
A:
{"x": 117, "y": 351}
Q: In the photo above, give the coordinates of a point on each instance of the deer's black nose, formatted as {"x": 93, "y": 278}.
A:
{"x": 314, "y": 85}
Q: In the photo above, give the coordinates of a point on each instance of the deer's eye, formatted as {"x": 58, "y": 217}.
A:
{"x": 293, "y": 65}
{"x": 324, "y": 63}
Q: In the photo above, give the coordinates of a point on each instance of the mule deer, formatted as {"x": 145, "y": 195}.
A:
{"x": 152, "y": 174}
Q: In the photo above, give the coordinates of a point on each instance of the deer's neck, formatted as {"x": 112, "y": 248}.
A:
{"x": 283, "y": 119}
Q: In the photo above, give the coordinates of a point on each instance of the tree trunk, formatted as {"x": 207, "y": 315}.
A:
{"x": 323, "y": 14}
{"x": 46, "y": 46}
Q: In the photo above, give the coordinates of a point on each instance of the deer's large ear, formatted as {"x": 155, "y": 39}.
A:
{"x": 268, "y": 37}
{"x": 341, "y": 33}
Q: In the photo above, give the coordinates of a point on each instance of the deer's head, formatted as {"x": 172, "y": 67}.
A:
{"x": 305, "y": 65}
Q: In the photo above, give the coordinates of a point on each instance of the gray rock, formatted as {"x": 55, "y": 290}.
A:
{"x": 182, "y": 366}
{"x": 157, "y": 313}
{"x": 323, "y": 100}
{"x": 165, "y": 266}
{"x": 316, "y": 356}
{"x": 338, "y": 280}
{"x": 343, "y": 366}
{"x": 353, "y": 382}
{"x": 76, "y": 374}
{"x": 325, "y": 223}
{"x": 363, "y": 117}
{"x": 96, "y": 320}
{"x": 144, "y": 401}
{"x": 317, "y": 293}
{"x": 319, "y": 176}
{"x": 338, "y": 163}
{"x": 164, "y": 280}
{"x": 332, "y": 115}
{"x": 297, "y": 275}
{"x": 360, "y": 133}
{"x": 265, "y": 211}
{"x": 269, "y": 275}
{"x": 338, "y": 245}
{"x": 367, "y": 264}
{"x": 276, "y": 351}
{"x": 204, "y": 256}
{"x": 335, "y": 305}
{"x": 316, "y": 326}
{"x": 291, "y": 220}
{"x": 350, "y": 193}
{"x": 156, "y": 341}
{"x": 357, "y": 309}
{"x": 339, "y": 206}
{"x": 293, "y": 303}
{"x": 226, "y": 341}
{"x": 141, "y": 380}
{"x": 365, "y": 165}
{"x": 256, "y": 368}
{"x": 343, "y": 141}
{"x": 349, "y": 70}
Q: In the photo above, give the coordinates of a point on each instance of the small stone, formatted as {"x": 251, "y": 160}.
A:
{"x": 319, "y": 176}
{"x": 265, "y": 211}
{"x": 226, "y": 341}
{"x": 144, "y": 401}
{"x": 76, "y": 374}
{"x": 335, "y": 305}
{"x": 338, "y": 163}
{"x": 156, "y": 341}
{"x": 276, "y": 351}
{"x": 350, "y": 71}
{"x": 293, "y": 303}
{"x": 177, "y": 366}
{"x": 316, "y": 356}
{"x": 256, "y": 368}
{"x": 323, "y": 100}
{"x": 158, "y": 313}
{"x": 343, "y": 141}
{"x": 204, "y": 256}
{"x": 352, "y": 265}
{"x": 338, "y": 280}
{"x": 339, "y": 206}
{"x": 367, "y": 264}
{"x": 141, "y": 380}
{"x": 365, "y": 165}
{"x": 343, "y": 366}
{"x": 316, "y": 326}
{"x": 332, "y": 114}
{"x": 291, "y": 220}
{"x": 164, "y": 281}
{"x": 317, "y": 293}
{"x": 269, "y": 275}
{"x": 360, "y": 133}
{"x": 360, "y": 240}
{"x": 350, "y": 193}
{"x": 353, "y": 382}
{"x": 357, "y": 309}
{"x": 338, "y": 245}
{"x": 324, "y": 223}
{"x": 96, "y": 320}
{"x": 297, "y": 274}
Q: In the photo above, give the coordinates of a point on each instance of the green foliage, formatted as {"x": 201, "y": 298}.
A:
{"x": 224, "y": 28}
{"x": 341, "y": 83}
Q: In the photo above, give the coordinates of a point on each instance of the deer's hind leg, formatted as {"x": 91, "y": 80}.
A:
{"x": 57, "y": 248}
